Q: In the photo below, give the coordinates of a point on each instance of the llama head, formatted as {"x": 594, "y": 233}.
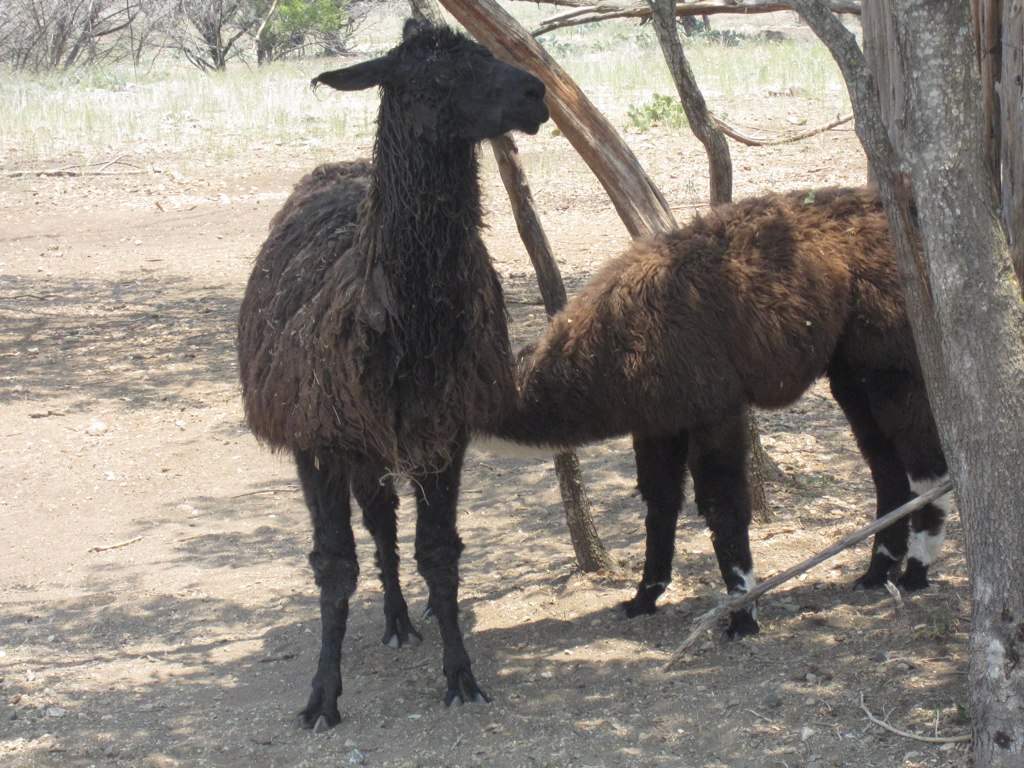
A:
{"x": 447, "y": 86}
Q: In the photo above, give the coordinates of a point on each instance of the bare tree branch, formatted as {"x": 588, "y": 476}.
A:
{"x": 750, "y": 141}
{"x": 590, "y": 13}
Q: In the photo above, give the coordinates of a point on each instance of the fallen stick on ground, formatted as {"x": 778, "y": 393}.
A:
{"x": 283, "y": 489}
{"x": 739, "y": 601}
{"x": 958, "y": 739}
{"x": 120, "y": 544}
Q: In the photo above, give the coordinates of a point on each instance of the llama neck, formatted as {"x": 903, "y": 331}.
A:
{"x": 426, "y": 268}
{"x": 422, "y": 215}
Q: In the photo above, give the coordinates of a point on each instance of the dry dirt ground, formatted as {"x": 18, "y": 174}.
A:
{"x": 156, "y": 608}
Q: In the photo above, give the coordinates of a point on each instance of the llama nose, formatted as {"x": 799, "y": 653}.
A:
{"x": 534, "y": 89}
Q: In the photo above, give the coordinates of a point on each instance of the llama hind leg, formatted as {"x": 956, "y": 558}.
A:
{"x": 438, "y": 547}
{"x": 928, "y": 533}
{"x": 917, "y": 439}
{"x": 718, "y": 463}
{"x": 335, "y": 568}
{"x": 892, "y": 488}
{"x": 660, "y": 471}
{"x": 379, "y": 502}
{"x": 900, "y": 411}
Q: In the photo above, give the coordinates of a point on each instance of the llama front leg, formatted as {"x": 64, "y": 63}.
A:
{"x": 660, "y": 470}
{"x": 379, "y": 502}
{"x": 438, "y": 547}
{"x": 718, "y": 463}
{"x": 335, "y": 568}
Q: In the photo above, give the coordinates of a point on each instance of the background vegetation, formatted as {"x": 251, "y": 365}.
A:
{"x": 117, "y": 94}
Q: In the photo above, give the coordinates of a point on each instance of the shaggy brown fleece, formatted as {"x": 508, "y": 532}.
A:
{"x": 746, "y": 304}
{"x": 349, "y": 346}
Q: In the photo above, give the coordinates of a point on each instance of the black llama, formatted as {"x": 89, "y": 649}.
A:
{"x": 372, "y": 336}
{"x": 748, "y": 304}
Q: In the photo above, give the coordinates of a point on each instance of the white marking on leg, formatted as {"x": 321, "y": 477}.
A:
{"x": 653, "y": 585}
{"x": 749, "y": 582}
{"x": 925, "y": 547}
{"x": 926, "y": 484}
{"x": 884, "y": 550}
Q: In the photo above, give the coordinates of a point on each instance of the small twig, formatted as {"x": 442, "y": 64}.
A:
{"x": 739, "y": 601}
{"x": 750, "y": 141}
{"x": 959, "y": 739}
{"x": 283, "y": 489}
{"x": 287, "y": 656}
{"x": 120, "y": 544}
{"x": 897, "y": 598}
{"x": 69, "y": 170}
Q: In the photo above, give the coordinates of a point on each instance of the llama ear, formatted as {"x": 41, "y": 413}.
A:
{"x": 414, "y": 26}
{"x": 357, "y": 77}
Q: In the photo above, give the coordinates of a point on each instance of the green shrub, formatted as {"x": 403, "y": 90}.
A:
{"x": 662, "y": 110}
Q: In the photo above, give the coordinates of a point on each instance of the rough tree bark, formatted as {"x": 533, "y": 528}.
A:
{"x": 968, "y": 320}
{"x": 999, "y": 38}
{"x": 1011, "y": 146}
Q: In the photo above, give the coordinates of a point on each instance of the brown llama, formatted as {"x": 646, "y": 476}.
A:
{"x": 746, "y": 305}
{"x": 372, "y": 336}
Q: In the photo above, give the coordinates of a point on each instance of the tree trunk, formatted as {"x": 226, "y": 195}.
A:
{"x": 968, "y": 320}
{"x": 591, "y": 554}
{"x": 427, "y": 10}
{"x": 998, "y": 37}
{"x": 974, "y": 365}
{"x": 987, "y": 15}
{"x": 1011, "y": 91}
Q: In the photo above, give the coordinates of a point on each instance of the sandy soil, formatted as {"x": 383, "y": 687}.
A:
{"x": 156, "y": 608}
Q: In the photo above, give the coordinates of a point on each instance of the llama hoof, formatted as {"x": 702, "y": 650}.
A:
{"x": 400, "y": 632}
{"x": 397, "y": 640}
{"x": 644, "y": 602}
{"x": 317, "y": 722}
{"x": 638, "y": 606}
{"x": 457, "y": 702}
{"x": 870, "y": 580}
{"x": 321, "y": 712}
{"x": 742, "y": 624}
{"x": 464, "y": 690}
{"x": 914, "y": 580}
